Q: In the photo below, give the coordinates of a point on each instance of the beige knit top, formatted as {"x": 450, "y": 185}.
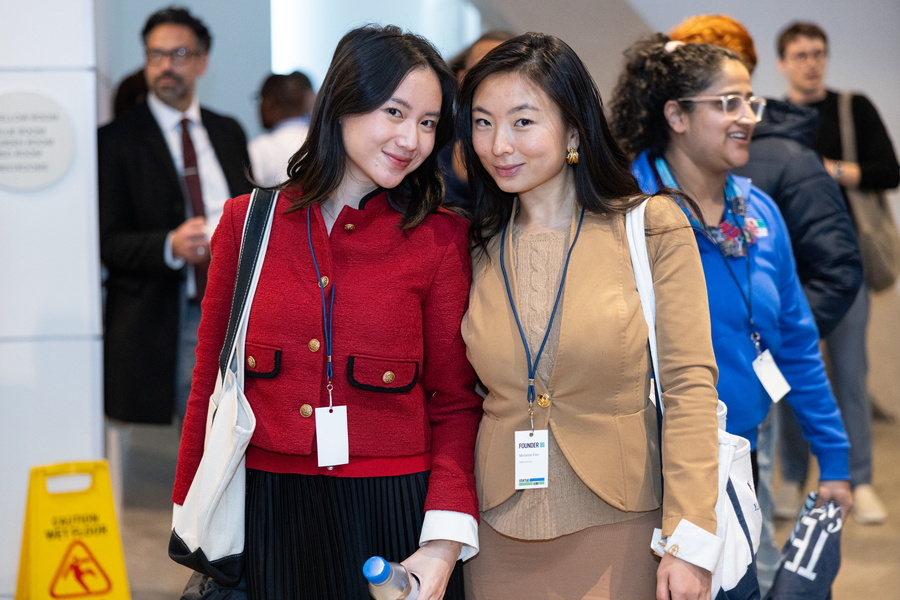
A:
{"x": 567, "y": 505}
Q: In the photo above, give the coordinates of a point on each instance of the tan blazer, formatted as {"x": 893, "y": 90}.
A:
{"x": 600, "y": 413}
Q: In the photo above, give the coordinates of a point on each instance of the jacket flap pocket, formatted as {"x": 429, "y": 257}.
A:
{"x": 377, "y": 374}
{"x": 261, "y": 361}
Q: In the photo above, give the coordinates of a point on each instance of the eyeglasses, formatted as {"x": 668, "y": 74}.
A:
{"x": 802, "y": 57}
{"x": 178, "y": 56}
{"x": 732, "y": 104}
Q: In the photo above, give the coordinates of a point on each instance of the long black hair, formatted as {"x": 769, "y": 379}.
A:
{"x": 603, "y": 180}
{"x": 369, "y": 64}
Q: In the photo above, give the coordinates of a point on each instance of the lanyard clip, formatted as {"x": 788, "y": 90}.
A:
{"x": 756, "y": 338}
{"x": 531, "y": 396}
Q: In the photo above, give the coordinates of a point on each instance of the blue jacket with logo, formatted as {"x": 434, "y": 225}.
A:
{"x": 783, "y": 319}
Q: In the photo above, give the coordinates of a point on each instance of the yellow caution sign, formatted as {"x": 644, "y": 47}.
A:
{"x": 70, "y": 543}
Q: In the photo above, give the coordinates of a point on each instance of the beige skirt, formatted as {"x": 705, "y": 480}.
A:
{"x": 604, "y": 562}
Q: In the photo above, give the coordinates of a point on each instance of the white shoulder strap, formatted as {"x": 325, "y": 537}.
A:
{"x": 643, "y": 277}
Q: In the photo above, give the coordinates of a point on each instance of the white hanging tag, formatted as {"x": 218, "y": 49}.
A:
{"x": 333, "y": 446}
{"x": 532, "y": 459}
{"x": 770, "y": 376}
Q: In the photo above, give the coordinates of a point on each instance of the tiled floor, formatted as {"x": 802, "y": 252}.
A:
{"x": 871, "y": 554}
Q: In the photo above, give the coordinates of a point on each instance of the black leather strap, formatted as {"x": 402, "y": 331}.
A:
{"x": 258, "y": 216}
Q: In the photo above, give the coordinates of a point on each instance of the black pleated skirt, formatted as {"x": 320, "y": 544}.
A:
{"x": 309, "y": 535}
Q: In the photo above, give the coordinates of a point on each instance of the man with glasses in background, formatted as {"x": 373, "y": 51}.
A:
{"x": 803, "y": 59}
{"x": 166, "y": 169}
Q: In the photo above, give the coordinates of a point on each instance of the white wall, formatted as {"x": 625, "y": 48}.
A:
{"x": 448, "y": 24}
{"x": 598, "y": 30}
{"x": 50, "y": 345}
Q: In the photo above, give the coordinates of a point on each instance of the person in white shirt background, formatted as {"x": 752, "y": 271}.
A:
{"x": 285, "y": 102}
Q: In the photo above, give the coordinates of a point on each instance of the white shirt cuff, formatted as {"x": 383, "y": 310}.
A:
{"x": 172, "y": 261}
{"x": 690, "y": 543}
{"x": 453, "y": 526}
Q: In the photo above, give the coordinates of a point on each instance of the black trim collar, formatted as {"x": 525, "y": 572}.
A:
{"x": 365, "y": 199}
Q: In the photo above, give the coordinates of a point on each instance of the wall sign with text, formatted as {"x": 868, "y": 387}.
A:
{"x": 36, "y": 141}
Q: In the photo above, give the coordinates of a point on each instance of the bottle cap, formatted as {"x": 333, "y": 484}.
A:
{"x": 376, "y": 570}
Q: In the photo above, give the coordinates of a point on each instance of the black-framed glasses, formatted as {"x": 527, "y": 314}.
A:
{"x": 733, "y": 104}
{"x": 176, "y": 56}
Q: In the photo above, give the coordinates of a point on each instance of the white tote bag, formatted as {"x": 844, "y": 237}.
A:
{"x": 738, "y": 517}
{"x": 208, "y": 529}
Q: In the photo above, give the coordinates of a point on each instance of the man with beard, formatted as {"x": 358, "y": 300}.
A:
{"x": 166, "y": 169}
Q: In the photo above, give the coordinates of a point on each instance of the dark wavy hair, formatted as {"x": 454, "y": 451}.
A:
{"x": 369, "y": 64}
{"x": 652, "y": 76}
{"x": 175, "y": 15}
{"x": 797, "y": 29}
{"x": 603, "y": 180}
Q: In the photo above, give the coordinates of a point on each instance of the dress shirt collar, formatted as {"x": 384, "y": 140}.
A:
{"x": 169, "y": 119}
{"x": 292, "y": 122}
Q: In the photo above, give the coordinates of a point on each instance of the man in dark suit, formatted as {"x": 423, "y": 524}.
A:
{"x": 166, "y": 169}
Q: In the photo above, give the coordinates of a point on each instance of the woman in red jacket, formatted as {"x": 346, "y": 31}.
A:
{"x": 358, "y": 307}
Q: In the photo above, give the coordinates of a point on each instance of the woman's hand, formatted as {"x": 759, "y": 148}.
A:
{"x": 839, "y": 491}
{"x": 677, "y": 579}
{"x": 432, "y": 564}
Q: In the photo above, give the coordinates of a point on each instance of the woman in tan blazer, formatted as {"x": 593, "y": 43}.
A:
{"x": 567, "y": 464}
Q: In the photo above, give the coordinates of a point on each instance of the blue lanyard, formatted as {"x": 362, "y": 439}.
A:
{"x": 327, "y": 308}
{"x": 748, "y": 299}
{"x": 532, "y": 367}
{"x": 731, "y": 191}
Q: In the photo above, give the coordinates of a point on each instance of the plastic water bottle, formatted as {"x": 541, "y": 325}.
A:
{"x": 390, "y": 580}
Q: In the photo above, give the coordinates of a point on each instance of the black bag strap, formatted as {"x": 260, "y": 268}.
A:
{"x": 846, "y": 126}
{"x": 257, "y": 219}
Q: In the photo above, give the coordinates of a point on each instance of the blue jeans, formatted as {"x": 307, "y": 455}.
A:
{"x": 768, "y": 555}
{"x": 187, "y": 346}
{"x": 848, "y": 369}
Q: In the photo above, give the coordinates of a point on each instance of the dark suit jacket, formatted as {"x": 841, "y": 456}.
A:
{"x": 141, "y": 200}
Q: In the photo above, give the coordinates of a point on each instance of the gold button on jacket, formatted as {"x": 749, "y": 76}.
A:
{"x": 314, "y": 345}
{"x": 306, "y": 411}
{"x": 251, "y": 362}
{"x": 388, "y": 377}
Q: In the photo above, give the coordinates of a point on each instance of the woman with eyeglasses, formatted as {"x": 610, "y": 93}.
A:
{"x": 687, "y": 113}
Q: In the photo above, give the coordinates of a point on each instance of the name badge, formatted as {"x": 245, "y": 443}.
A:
{"x": 532, "y": 459}
{"x": 333, "y": 446}
{"x": 770, "y": 376}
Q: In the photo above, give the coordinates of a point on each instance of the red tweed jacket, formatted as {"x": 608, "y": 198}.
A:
{"x": 399, "y": 360}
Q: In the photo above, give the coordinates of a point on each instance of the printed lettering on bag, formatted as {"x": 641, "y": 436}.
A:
{"x": 808, "y": 553}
